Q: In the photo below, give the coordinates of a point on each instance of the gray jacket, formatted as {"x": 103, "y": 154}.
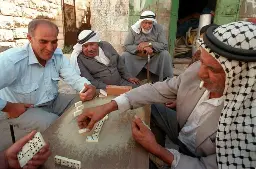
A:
{"x": 185, "y": 89}
{"x": 99, "y": 74}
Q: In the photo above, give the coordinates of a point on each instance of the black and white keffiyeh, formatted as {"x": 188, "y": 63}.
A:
{"x": 234, "y": 47}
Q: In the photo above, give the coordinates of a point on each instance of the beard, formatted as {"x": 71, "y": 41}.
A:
{"x": 146, "y": 31}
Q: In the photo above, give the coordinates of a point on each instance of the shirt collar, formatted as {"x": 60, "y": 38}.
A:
{"x": 214, "y": 101}
{"x": 32, "y": 56}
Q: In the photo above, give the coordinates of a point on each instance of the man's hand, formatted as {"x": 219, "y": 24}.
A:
{"x": 142, "y": 45}
{"x": 92, "y": 115}
{"x": 171, "y": 104}
{"x": 149, "y": 50}
{"x": 35, "y": 162}
{"x": 14, "y": 110}
{"x": 146, "y": 139}
{"x": 144, "y": 136}
{"x": 134, "y": 80}
{"x": 89, "y": 93}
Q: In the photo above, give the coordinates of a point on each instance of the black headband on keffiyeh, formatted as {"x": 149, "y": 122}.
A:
{"x": 233, "y": 45}
{"x": 235, "y": 51}
{"x": 85, "y": 39}
{"x": 148, "y": 16}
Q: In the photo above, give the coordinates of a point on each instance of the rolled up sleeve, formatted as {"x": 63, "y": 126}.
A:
{"x": 70, "y": 76}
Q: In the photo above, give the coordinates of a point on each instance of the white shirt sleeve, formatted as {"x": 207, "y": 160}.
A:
{"x": 176, "y": 157}
{"x": 122, "y": 103}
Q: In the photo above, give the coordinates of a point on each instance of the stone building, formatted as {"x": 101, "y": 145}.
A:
{"x": 110, "y": 18}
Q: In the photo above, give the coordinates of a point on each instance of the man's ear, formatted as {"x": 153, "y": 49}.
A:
{"x": 29, "y": 37}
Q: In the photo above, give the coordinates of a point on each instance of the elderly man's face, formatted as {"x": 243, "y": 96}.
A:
{"x": 91, "y": 49}
{"x": 146, "y": 25}
{"x": 44, "y": 42}
{"x": 211, "y": 73}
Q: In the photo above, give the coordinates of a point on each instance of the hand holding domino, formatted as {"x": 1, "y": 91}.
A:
{"x": 31, "y": 151}
{"x": 87, "y": 93}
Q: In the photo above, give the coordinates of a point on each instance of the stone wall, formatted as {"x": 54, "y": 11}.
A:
{"x": 110, "y": 19}
{"x": 16, "y": 14}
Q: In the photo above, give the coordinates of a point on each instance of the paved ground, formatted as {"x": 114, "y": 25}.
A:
{"x": 5, "y": 139}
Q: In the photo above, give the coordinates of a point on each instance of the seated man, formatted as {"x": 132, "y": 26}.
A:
{"x": 146, "y": 37}
{"x": 99, "y": 62}
{"x": 29, "y": 80}
{"x": 215, "y": 126}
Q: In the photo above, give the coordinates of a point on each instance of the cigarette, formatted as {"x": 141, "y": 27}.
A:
{"x": 201, "y": 84}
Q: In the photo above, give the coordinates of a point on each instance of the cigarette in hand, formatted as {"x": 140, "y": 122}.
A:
{"x": 201, "y": 85}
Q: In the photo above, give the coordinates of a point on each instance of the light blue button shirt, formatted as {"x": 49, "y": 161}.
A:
{"x": 25, "y": 80}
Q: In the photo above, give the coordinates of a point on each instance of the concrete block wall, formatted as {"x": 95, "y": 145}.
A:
{"x": 16, "y": 14}
{"x": 110, "y": 18}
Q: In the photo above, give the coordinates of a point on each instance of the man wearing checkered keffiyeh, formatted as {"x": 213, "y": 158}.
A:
{"x": 234, "y": 47}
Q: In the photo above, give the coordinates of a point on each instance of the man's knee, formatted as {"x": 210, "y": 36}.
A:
{"x": 161, "y": 111}
{"x": 125, "y": 54}
{"x": 34, "y": 119}
{"x": 165, "y": 53}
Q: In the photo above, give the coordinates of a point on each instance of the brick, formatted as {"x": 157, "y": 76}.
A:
{"x": 6, "y": 22}
{"x": 117, "y": 90}
{"x": 6, "y": 35}
{"x": 10, "y": 9}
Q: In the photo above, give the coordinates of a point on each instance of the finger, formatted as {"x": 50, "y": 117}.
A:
{"x": 138, "y": 122}
{"x": 135, "y": 129}
{"x": 40, "y": 159}
{"x": 27, "y": 166}
{"x": 28, "y": 105}
{"x": 44, "y": 149}
{"x": 91, "y": 124}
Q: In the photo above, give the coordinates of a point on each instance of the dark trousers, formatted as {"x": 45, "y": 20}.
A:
{"x": 164, "y": 123}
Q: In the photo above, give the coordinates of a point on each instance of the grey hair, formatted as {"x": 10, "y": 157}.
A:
{"x": 36, "y": 22}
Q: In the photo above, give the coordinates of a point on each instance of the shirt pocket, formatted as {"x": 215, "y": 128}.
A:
{"x": 26, "y": 93}
{"x": 53, "y": 86}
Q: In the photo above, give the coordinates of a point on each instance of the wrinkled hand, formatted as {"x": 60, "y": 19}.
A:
{"x": 149, "y": 50}
{"x": 92, "y": 115}
{"x": 142, "y": 45}
{"x": 89, "y": 93}
{"x": 144, "y": 136}
{"x": 171, "y": 104}
{"x": 14, "y": 110}
{"x": 134, "y": 80}
{"x": 35, "y": 162}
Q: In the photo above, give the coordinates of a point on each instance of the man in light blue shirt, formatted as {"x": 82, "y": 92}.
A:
{"x": 29, "y": 80}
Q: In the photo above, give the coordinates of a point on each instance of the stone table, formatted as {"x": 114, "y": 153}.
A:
{"x": 116, "y": 148}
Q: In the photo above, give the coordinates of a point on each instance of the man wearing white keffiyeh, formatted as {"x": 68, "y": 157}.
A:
{"x": 234, "y": 47}
{"x": 99, "y": 62}
{"x": 147, "y": 38}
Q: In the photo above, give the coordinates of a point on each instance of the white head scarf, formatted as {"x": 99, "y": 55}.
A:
{"x": 84, "y": 37}
{"x": 234, "y": 47}
{"x": 146, "y": 15}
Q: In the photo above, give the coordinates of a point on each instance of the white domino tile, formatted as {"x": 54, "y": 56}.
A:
{"x": 83, "y": 130}
{"x": 77, "y": 113}
{"x": 80, "y": 107}
{"x": 67, "y": 162}
{"x": 83, "y": 90}
{"x": 80, "y": 103}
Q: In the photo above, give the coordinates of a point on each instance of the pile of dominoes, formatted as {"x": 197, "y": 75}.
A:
{"x": 30, "y": 149}
{"x": 95, "y": 135}
{"x": 67, "y": 162}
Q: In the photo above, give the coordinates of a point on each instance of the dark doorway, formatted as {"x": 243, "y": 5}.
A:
{"x": 70, "y": 29}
